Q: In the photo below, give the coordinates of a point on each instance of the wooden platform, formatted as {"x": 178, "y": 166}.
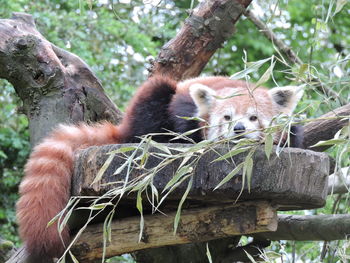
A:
{"x": 296, "y": 179}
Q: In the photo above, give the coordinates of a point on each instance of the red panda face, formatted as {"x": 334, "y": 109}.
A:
{"x": 240, "y": 112}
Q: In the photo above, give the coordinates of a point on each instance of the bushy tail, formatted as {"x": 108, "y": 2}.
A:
{"x": 45, "y": 189}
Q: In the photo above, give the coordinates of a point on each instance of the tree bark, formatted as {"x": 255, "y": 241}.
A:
{"x": 54, "y": 85}
{"x": 296, "y": 179}
{"x": 196, "y": 225}
{"x": 205, "y": 30}
{"x": 313, "y": 227}
{"x": 325, "y": 127}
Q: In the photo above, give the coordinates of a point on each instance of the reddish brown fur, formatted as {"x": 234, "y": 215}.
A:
{"x": 48, "y": 171}
{"x": 139, "y": 97}
{"x": 45, "y": 189}
{"x": 216, "y": 83}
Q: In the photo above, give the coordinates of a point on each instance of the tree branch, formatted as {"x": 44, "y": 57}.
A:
{"x": 289, "y": 53}
{"x": 55, "y": 85}
{"x": 211, "y": 23}
{"x": 313, "y": 227}
{"x": 325, "y": 127}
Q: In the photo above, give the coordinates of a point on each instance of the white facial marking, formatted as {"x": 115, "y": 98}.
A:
{"x": 223, "y": 123}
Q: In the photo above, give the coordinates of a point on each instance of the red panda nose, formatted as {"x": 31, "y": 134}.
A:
{"x": 239, "y": 128}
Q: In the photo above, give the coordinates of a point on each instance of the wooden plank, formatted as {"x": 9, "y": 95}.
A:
{"x": 296, "y": 179}
{"x": 196, "y": 225}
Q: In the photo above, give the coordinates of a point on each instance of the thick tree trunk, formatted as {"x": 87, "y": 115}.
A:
{"x": 55, "y": 86}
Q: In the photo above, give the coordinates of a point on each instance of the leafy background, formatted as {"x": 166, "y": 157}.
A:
{"x": 119, "y": 40}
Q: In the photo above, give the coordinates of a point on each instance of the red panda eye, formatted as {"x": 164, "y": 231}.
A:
{"x": 227, "y": 117}
{"x": 253, "y": 118}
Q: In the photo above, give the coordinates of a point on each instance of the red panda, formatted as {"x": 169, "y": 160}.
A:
{"x": 156, "y": 107}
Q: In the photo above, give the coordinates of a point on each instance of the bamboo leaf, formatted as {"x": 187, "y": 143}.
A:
{"x": 178, "y": 212}
{"x": 268, "y": 145}
{"x": 250, "y": 257}
{"x": 252, "y": 67}
{"x": 199, "y": 147}
{"x": 179, "y": 173}
{"x": 231, "y": 153}
{"x": 330, "y": 142}
{"x": 107, "y": 236}
{"x": 139, "y": 207}
{"x": 99, "y": 206}
{"x": 73, "y": 257}
{"x": 192, "y": 118}
{"x": 121, "y": 168}
{"x": 73, "y": 202}
{"x": 247, "y": 170}
{"x": 208, "y": 254}
{"x": 103, "y": 168}
{"x": 180, "y": 136}
{"x": 339, "y": 6}
{"x": 265, "y": 77}
{"x": 230, "y": 175}
{"x": 161, "y": 147}
{"x": 173, "y": 188}
{"x": 123, "y": 150}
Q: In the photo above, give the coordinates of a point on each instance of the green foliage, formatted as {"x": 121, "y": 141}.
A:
{"x": 14, "y": 149}
{"x": 118, "y": 40}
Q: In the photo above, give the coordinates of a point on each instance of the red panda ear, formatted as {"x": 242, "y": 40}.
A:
{"x": 203, "y": 97}
{"x": 286, "y": 98}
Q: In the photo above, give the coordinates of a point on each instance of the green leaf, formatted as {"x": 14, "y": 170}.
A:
{"x": 72, "y": 202}
{"x": 161, "y": 147}
{"x": 330, "y": 142}
{"x": 265, "y": 77}
{"x": 178, "y": 175}
{"x": 99, "y": 206}
{"x": 302, "y": 69}
{"x": 250, "y": 257}
{"x": 107, "y": 234}
{"x": 89, "y": 2}
{"x": 192, "y": 118}
{"x": 252, "y": 67}
{"x": 121, "y": 168}
{"x": 247, "y": 170}
{"x": 339, "y": 6}
{"x": 123, "y": 150}
{"x": 178, "y": 212}
{"x": 231, "y": 153}
{"x": 3, "y": 155}
{"x": 73, "y": 257}
{"x": 230, "y": 175}
{"x": 208, "y": 254}
{"x": 103, "y": 168}
{"x": 268, "y": 145}
{"x": 139, "y": 207}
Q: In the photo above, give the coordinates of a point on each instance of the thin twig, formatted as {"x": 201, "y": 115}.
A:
{"x": 289, "y": 53}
